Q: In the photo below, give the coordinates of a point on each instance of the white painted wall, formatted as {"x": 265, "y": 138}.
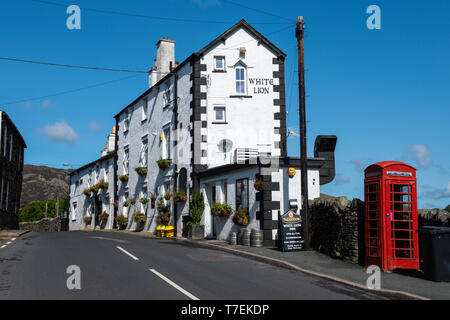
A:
{"x": 84, "y": 204}
{"x": 250, "y": 121}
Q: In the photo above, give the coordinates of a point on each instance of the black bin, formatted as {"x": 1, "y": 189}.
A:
{"x": 435, "y": 247}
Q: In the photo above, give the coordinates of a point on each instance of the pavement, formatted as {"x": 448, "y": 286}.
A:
{"x": 402, "y": 284}
{"x": 123, "y": 266}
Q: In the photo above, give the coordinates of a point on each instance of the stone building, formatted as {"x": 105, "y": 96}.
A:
{"x": 218, "y": 119}
{"x": 11, "y": 165}
{"x": 86, "y": 203}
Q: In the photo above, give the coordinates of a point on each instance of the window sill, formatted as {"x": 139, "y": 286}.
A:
{"x": 219, "y": 122}
{"x": 240, "y": 96}
{"x": 143, "y": 121}
{"x": 219, "y": 71}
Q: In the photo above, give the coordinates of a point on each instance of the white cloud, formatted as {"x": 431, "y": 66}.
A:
{"x": 60, "y": 132}
{"x": 340, "y": 178}
{"x": 95, "y": 126}
{"x": 421, "y": 153}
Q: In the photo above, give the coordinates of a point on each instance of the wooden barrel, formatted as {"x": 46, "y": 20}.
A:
{"x": 240, "y": 235}
{"x": 257, "y": 238}
{"x": 246, "y": 237}
{"x": 233, "y": 238}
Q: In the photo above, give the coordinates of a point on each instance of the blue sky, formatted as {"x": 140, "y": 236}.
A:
{"x": 384, "y": 93}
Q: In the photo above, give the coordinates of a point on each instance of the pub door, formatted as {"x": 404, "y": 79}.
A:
{"x": 401, "y": 225}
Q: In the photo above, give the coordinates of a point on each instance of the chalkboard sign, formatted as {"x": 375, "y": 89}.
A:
{"x": 290, "y": 232}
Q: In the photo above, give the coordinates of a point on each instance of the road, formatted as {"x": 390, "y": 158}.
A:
{"x": 123, "y": 266}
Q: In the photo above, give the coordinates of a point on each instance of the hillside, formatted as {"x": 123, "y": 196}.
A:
{"x": 43, "y": 183}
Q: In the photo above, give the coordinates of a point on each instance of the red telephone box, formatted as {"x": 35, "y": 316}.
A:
{"x": 390, "y": 192}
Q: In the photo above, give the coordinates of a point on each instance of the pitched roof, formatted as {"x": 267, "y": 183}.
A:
{"x": 241, "y": 23}
{"x": 14, "y": 128}
{"x": 244, "y": 24}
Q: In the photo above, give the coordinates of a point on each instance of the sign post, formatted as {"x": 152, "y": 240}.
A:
{"x": 290, "y": 231}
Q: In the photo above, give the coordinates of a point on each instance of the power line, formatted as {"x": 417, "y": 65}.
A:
{"x": 72, "y": 66}
{"x": 68, "y": 91}
{"x": 135, "y": 15}
{"x": 257, "y": 10}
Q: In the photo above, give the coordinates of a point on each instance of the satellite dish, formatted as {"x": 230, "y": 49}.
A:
{"x": 225, "y": 145}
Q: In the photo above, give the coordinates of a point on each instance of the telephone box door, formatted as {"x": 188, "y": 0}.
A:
{"x": 401, "y": 247}
{"x": 373, "y": 226}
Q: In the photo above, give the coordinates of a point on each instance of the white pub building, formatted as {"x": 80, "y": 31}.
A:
{"x": 220, "y": 118}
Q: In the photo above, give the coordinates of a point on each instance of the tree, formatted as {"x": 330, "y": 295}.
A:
{"x": 35, "y": 211}
{"x": 447, "y": 208}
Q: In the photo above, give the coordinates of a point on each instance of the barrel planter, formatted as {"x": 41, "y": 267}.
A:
{"x": 257, "y": 238}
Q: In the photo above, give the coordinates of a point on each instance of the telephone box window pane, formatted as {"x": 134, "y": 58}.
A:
{"x": 400, "y": 188}
{"x": 372, "y": 197}
{"x": 372, "y": 188}
{"x": 400, "y": 197}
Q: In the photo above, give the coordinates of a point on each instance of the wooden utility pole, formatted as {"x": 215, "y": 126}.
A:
{"x": 302, "y": 113}
{"x": 57, "y": 207}
{"x": 46, "y": 208}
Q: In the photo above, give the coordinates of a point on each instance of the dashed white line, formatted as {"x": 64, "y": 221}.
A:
{"x": 13, "y": 239}
{"x": 9, "y": 242}
{"x": 126, "y": 252}
{"x": 173, "y": 284}
{"x": 3, "y": 246}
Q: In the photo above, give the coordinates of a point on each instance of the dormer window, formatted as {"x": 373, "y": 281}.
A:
{"x": 219, "y": 63}
{"x": 241, "y": 78}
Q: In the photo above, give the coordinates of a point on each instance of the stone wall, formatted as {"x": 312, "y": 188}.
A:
{"x": 337, "y": 228}
{"x": 45, "y": 225}
{"x": 433, "y": 217}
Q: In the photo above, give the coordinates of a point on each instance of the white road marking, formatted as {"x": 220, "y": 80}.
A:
{"x": 102, "y": 238}
{"x": 3, "y": 246}
{"x": 13, "y": 239}
{"x": 174, "y": 285}
{"x": 9, "y": 242}
{"x": 126, "y": 252}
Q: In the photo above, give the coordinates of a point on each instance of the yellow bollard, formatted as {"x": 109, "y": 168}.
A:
{"x": 163, "y": 231}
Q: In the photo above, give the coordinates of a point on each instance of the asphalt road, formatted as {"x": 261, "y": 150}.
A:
{"x": 34, "y": 266}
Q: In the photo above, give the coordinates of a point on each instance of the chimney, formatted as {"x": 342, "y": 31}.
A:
{"x": 165, "y": 57}
{"x": 152, "y": 74}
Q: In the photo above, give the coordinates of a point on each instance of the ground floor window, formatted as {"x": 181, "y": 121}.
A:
{"x": 242, "y": 194}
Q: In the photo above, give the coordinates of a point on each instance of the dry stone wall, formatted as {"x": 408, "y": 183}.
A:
{"x": 337, "y": 228}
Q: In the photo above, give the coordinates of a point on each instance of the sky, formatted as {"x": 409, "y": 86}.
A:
{"x": 385, "y": 93}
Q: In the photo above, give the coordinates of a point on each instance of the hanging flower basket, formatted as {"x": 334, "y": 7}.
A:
{"x": 153, "y": 197}
{"x": 132, "y": 201}
{"x": 221, "y": 209}
{"x": 142, "y": 171}
{"x": 140, "y": 218}
{"x": 260, "y": 185}
{"x": 163, "y": 164}
{"x": 116, "y": 204}
{"x": 240, "y": 217}
{"x": 168, "y": 195}
{"x": 180, "y": 196}
{"x": 87, "y": 192}
{"x": 104, "y": 185}
{"x": 144, "y": 200}
{"x": 126, "y": 203}
{"x": 87, "y": 220}
{"x": 124, "y": 178}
